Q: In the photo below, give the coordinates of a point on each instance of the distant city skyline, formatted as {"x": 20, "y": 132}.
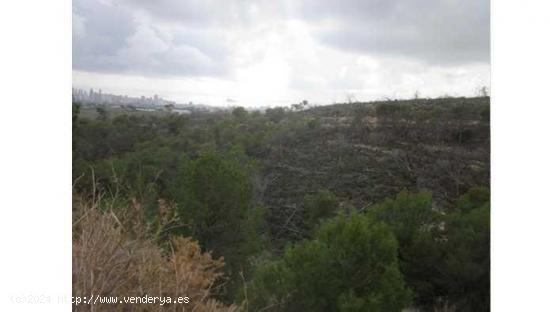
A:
{"x": 97, "y": 96}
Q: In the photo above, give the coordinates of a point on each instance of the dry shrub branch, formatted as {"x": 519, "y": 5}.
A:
{"x": 110, "y": 260}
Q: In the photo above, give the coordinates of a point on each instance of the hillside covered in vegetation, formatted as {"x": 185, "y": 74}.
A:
{"x": 373, "y": 206}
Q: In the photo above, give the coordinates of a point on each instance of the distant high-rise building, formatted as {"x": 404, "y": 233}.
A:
{"x": 98, "y": 97}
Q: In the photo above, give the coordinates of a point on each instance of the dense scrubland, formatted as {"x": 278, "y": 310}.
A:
{"x": 376, "y": 206}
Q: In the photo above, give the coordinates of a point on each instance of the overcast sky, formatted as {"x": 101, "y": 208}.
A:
{"x": 261, "y": 53}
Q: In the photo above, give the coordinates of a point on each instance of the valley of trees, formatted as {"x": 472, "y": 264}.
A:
{"x": 378, "y": 206}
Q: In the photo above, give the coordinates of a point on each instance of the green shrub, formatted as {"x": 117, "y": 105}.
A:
{"x": 445, "y": 259}
{"x": 349, "y": 265}
{"x": 319, "y": 206}
{"x": 467, "y": 253}
{"x": 415, "y": 224}
{"x": 275, "y": 114}
{"x": 214, "y": 195}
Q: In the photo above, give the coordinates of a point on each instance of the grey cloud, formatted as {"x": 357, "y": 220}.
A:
{"x": 439, "y": 32}
{"x": 211, "y": 13}
{"x": 102, "y": 32}
{"x": 190, "y": 38}
{"x": 108, "y": 38}
{"x": 196, "y": 13}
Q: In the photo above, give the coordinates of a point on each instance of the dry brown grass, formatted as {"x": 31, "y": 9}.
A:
{"x": 109, "y": 259}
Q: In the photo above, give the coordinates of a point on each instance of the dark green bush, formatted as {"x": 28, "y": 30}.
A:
{"x": 350, "y": 265}
{"x": 319, "y": 206}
